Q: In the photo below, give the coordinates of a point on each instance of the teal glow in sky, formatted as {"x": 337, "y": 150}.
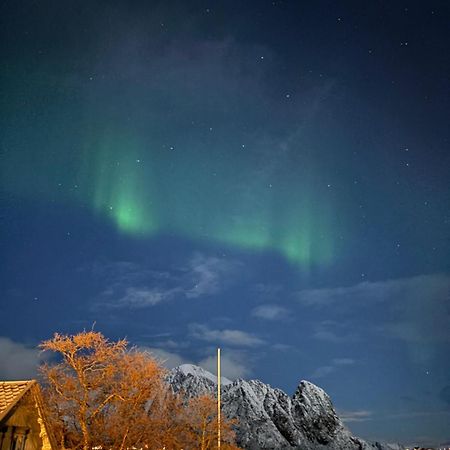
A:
{"x": 203, "y": 180}
{"x": 147, "y": 189}
{"x": 277, "y": 171}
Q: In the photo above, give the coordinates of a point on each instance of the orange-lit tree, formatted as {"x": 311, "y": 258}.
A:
{"x": 203, "y": 425}
{"x": 103, "y": 394}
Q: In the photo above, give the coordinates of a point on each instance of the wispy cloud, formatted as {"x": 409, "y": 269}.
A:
{"x": 129, "y": 285}
{"x": 171, "y": 344}
{"x": 355, "y": 416}
{"x": 435, "y": 286}
{"x": 17, "y": 361}
{"x": 167, "y": 359}
{"x": 334, "y": 332}
{"x": 415, "y": 310}
{"x": 365, "y": 291}
{"x": 224, "y": 336}
{"x": 209, "y": 275}
{"x": 233, "y": 366}
{"x": 142, "y": 297}
{"x": 270, "y": 312}
{"x": 363, "y": 415}
{"x": 334, "y": 365}
{"x": 343, "y": 361}
{"x": 322, "y": 372}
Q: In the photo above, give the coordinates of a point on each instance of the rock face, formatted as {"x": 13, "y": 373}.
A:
{"x": 270, "y": 419}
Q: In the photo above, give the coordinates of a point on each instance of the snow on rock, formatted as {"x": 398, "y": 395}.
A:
{"x": 269, "y": 419}
{"x": 193, "y": 380}
{"x": 196, "y": 371}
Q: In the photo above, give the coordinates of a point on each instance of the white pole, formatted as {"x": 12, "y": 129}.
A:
{"x": 218, "y": 398}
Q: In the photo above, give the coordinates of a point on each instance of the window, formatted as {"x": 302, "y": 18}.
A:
{"x": 18, "y": 439}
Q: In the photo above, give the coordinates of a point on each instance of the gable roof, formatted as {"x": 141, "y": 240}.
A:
{"x": 10, "y": 394}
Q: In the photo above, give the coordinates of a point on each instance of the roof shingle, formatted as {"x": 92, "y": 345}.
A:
{"x": 11, "y": 392}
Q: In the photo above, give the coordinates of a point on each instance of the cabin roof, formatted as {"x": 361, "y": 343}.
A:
{"x": 10, "y": 394}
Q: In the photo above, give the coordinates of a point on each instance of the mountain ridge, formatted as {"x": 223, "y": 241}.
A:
{"x": 270, "y": 419}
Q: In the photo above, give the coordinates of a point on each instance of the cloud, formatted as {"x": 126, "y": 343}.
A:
{"x": 170, "y": 343}
{"x": 343, "y": 361}
{"x": 130, "y": 285}
{"x": 355, "y": 416}
{"x": 226, "y": 336}
{"x": 334, "y": 365}
{"x": 334, "y": 332}
{"x": 367, "y": 291}
{"x": 209, "y": 275}
{"x": 413, "y": 310}
{"x": 270, "y": 312}
{"x": 322, "y": 371}
{"x": 232, "y": 367}
{"x": 141, "y": 297}
{"x": 365, "y": 415}
{"x": 17, "y": 361}
{"x": 167, "y": 359}
{"x": 423, "y": 287}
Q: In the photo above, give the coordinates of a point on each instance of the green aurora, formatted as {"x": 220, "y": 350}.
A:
{"x": 167, "y": 190}
{"x": 146, "y": 190}
{"x": 203, "y": 185}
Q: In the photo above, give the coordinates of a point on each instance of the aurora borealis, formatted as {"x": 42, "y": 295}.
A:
{"x": 270, "y": 177}
{"x": 230, "y": 191}
{"x": 171, "y": 190}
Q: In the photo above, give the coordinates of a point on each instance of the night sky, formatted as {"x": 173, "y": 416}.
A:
{"x": 270, "y": 177}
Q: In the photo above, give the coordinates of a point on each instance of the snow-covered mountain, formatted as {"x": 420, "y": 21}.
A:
{"x": 269, "y": 419}
{"x": 201, "y": 379}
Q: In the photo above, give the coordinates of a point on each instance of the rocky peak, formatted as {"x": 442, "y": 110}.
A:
{"x": 315, "y": 413}
{"x": 270, "y": 419}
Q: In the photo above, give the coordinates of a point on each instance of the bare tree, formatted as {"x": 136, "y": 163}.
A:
{"x": 80, "y": 382}
{"x": 103, "y": 394}
{"x": 202, "y": 412}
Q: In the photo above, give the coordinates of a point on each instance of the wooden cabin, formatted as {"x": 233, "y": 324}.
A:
{"x": 22, "y": 417}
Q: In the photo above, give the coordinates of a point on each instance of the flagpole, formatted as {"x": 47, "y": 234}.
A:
{"x": 218, "y": 398}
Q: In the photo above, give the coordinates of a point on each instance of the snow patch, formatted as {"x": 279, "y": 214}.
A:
{"x": 196, "y": 371}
